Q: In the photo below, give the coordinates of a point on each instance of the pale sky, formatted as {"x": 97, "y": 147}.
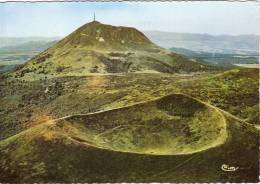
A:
{"x": 60, "y": 19}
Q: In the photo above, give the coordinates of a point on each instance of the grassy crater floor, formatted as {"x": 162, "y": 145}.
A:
{"x": 174, "y": 124}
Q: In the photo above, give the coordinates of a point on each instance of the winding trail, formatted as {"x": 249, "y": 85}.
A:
{"x": 154, "y": 99}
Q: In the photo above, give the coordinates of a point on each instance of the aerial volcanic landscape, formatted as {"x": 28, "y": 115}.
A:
{"x": 106, "y": 104}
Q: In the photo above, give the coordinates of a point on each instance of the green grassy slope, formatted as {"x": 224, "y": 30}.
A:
{"x": 235, "y": 91}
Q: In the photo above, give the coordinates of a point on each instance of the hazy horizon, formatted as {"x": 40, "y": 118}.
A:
{"x": 58, "y": 19}
{"x": 39, "y": 36}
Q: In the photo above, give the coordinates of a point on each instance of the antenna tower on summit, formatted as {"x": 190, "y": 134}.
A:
{"x": 94, "y": 17}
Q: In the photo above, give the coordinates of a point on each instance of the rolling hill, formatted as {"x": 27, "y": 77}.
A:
{"x": 15, "y": 41}
{"x": 218, "y": 58}
{"x": 28, "y": 47}
{"x": 12, "y": 56}
{"x": 223, "y": 44}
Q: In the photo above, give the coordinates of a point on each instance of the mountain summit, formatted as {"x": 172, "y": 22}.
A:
{"x": 96, "y": 34}
{"x": 101, "y": 48}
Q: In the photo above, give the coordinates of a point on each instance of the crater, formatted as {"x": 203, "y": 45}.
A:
{"x": 171, "y": 125}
